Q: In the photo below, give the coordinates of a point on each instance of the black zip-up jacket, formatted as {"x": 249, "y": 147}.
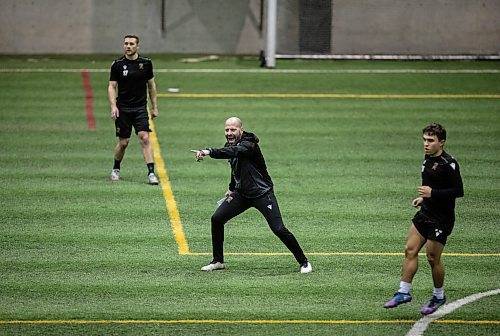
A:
{"x": 442, "y": 174}
{"x": 249, "y": 174}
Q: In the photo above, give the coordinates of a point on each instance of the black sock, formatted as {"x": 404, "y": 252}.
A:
{"x": 117, "y": 164}
{"x": 151, "y": 168}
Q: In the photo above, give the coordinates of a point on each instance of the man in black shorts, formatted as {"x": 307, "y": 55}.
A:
{"x": 433, "y": 223}
{"x": 131, "y": 79}
{"x": 250, "y": 186}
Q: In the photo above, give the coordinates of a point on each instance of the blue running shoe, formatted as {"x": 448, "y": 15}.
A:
{"x": 397, "y": 299}
{"x": 433, "y": 304}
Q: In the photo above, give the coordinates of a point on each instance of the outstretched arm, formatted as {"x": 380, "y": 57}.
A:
{"x": 244, "y": 148}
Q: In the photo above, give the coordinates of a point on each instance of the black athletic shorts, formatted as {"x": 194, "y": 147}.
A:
{"x": 432, "y": 229}
{"x": 136, "y": 117}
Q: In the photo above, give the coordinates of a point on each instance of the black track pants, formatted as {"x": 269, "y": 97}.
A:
{"x": 268, "y": 206}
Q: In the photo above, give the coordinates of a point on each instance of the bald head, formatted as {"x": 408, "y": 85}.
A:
{"x": 233, "y": 130}
{"x": 234, "y": 121}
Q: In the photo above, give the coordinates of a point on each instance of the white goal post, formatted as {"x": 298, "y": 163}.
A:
{"x": 272, "y": 16}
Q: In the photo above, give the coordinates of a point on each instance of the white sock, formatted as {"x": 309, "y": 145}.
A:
{"x": 404, "y": 287}
{"x": 438, "y": 292}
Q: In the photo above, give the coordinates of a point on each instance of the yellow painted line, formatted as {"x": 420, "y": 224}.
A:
{"x": 472, "y": 254}
{"x": 209, "y": 321}
{"x": 386, "y": 254}
{"x": 404, "y": 71}
{"x": 168, "y": 195}
{"x": 329, "y": 95}
{"x": 467, "y": 322}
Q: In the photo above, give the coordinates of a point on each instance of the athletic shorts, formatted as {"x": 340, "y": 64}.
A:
{"x": 136, "y": 117}
{"x": 432, "y": 229}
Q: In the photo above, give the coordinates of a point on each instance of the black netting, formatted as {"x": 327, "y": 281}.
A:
{"x": 315, "y": 26}
{"x": 304, "y": 27}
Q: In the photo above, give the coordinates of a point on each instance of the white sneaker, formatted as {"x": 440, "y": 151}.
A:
{"x": 115, "y": 174}
{"x": 213, "y": 266}
{"x": 152, "y": 179}
{"x": 306, "y": 267}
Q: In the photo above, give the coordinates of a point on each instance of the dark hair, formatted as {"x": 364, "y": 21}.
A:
{"x": 132, "y": 36}
{"x": 437, "y": 130}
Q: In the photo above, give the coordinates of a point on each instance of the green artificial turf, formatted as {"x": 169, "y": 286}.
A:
{"x": 83, "y": 255}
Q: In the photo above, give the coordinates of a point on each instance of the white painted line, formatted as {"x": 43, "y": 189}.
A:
{"x": 338, "y": 71}
{"x": 274, "y": 71}
{"x": 387, "y": 57}
{"x": 421, "y": 325}
{"x": 49, "y": 70}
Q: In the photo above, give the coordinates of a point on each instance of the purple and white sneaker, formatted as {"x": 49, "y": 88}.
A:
{"x": 433, "y": 304}
{"x": 397, "y": 299}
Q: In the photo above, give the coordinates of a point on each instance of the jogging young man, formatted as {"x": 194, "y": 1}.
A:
{"x": 131, "y": 79}
{"x": 433, "y": 223}
{"x": 250, "y": 186}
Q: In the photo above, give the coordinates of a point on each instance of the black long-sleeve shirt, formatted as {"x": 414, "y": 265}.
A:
{"x": 442, "y": 174}
{"x": 249, "y": 174}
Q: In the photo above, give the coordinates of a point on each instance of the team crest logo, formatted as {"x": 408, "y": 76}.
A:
{"x": 434, "y": 166}
{"x": 141, "y": 66}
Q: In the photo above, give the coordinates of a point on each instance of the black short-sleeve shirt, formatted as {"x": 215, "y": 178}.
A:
{"x": 132, "y": 77}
